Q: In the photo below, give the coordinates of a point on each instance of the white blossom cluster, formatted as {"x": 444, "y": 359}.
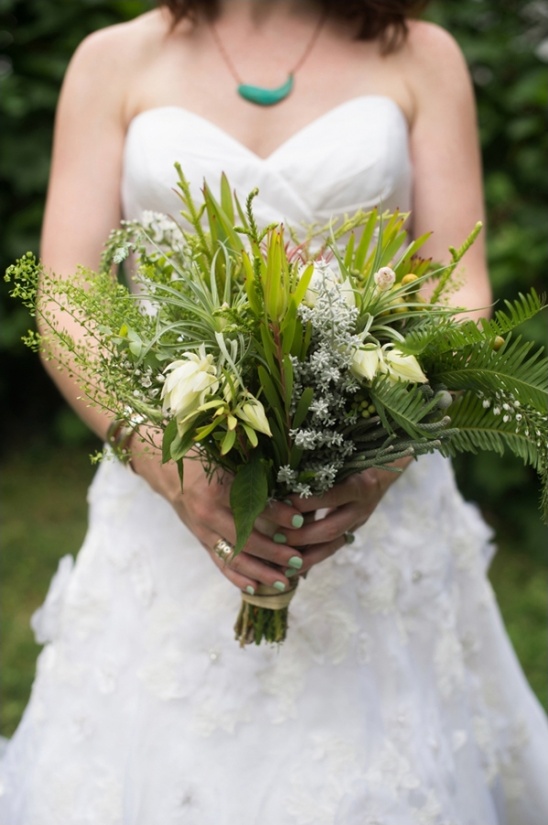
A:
{"x": 163, "y": 229}
{"x": 508, "y": 407}
{"x": 327, "y": 370}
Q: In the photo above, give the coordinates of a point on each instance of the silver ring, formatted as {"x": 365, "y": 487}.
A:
{"x": 349, "y": 537}
{"x": 224, "y": 550}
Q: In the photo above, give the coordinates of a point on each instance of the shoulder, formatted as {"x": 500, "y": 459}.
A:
{"x": 106, "y": 62}
{"x": 429, "y": 43}
{"x": 431, "y": 51}
{"x": 434, "y": 67}
{"x": 117, "y": 43}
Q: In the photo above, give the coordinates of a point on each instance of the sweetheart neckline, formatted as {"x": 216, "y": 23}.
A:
{"x": 264, "y": 159}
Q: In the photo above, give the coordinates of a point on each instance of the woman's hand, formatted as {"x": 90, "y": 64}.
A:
{"x": 348, "y": 505}
{"x": 287, "y": 540}
{"x": 203, "y": 505}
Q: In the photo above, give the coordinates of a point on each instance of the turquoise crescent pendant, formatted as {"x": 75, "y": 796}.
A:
{"x": 266, "y": 97}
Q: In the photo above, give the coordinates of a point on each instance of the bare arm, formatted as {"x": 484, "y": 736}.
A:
{"x": 83, "y": 203}
{"x": 448, "y": 191}
{"x": 83, "y": 206}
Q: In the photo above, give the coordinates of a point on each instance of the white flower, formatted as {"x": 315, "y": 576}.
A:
{"x": 253, "y": 413}
{"x": 403, "y": 367}
{"x": 384, "y": 278}
{"x": 365, "y": 362}
{"x": 325, "y": 278}
{"x": 159, "y": 225}
{"x": 187, "y": 383}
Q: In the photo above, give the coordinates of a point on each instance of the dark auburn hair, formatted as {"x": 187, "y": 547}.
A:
{"x": 382, "y": 19}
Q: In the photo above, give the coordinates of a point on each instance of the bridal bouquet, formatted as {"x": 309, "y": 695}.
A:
{"x": 287, "y": 360}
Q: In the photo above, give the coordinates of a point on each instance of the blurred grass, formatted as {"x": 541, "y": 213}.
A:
{"x": 43, "y": 495}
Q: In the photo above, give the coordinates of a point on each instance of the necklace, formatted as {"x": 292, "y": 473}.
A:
{"x": 260, "y": 95}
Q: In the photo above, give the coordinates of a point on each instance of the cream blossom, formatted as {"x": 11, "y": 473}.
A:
{"x": 253, "y": 413}
{"x": 385, "y": 278}
{"x": 403, "y": 367}
{"x": 370, "y": 361}
{"x": 366, "y": 362}
{"x": 187, "y": 383}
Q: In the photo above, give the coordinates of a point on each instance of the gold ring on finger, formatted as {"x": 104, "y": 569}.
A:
{"x": 224, "y": 550}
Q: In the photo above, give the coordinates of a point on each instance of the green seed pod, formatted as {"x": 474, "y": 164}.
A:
{"x": 444, "y": 399}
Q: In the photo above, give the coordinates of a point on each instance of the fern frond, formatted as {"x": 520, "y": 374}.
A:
{"x": 522, "y": 309}
{"x": 439, "y": 335}
{"x": 512, "y": 370}
{"x": 435, "y": 336}
{"x": 478, "y": 428}
{"x": 522, "y": 433}
{"x": 408, "y": 407}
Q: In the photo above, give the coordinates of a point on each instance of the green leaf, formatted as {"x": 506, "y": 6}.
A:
{"x": 220, "y": 223}
{"x": 204, "y": 431}
{"x": 181, "y": 445}
{"x": 251, "y": 434}
{"x": 288, "y": 380}
{"x": 248, "y": 498}
{"x": 304, "y": 283}
{"x": 349, "y": 251}
{"x": 271, "y": 393}
{"x": 289, "y": 327}
{"x": 170, "y": 433}
{"x": 228, "y": 441}
{"x": 269, "y": 347}
{"x": 402, "y": 267}
{"x": 303, "y": 406}
{"x": 226, "y": 198}
{"x": 365, "y": 240}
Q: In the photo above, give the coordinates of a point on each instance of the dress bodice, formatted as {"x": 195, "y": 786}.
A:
{"x": 354, "y": 156}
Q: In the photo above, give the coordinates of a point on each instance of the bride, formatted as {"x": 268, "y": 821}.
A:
{"x": 396, "y": 698}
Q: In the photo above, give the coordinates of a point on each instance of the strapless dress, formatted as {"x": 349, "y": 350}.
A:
{"x": 396, "y": 699}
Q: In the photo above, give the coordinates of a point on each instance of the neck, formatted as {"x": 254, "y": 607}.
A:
{"x": 259, "y": 12}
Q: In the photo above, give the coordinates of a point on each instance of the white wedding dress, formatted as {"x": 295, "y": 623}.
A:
{"x": 396, "y": 699}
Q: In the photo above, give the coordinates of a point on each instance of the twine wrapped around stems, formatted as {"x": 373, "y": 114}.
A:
{"x": 264, "y": 615}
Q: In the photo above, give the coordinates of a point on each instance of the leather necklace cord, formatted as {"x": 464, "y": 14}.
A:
{"x": 258, "y": 94}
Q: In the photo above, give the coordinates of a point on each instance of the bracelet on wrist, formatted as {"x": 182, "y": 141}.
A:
{"x": 119, "y": 435}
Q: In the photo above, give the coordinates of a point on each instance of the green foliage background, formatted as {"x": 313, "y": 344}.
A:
{"x": 506, "y": 44}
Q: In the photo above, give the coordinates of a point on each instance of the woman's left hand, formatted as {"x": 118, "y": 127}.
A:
{"x": 349, "y": 505}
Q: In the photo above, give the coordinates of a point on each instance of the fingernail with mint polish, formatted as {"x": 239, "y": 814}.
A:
{"x": 296, "y": 562}
{"x": 290, "y": 572}
{"x": 250, "y": 590}
{"x": 279, "y": 538}
{"x": 297, "y": 520}
{"x": 279, "y": 586}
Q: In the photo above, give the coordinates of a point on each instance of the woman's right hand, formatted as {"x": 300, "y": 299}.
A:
{"x": 204, "y": 506}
